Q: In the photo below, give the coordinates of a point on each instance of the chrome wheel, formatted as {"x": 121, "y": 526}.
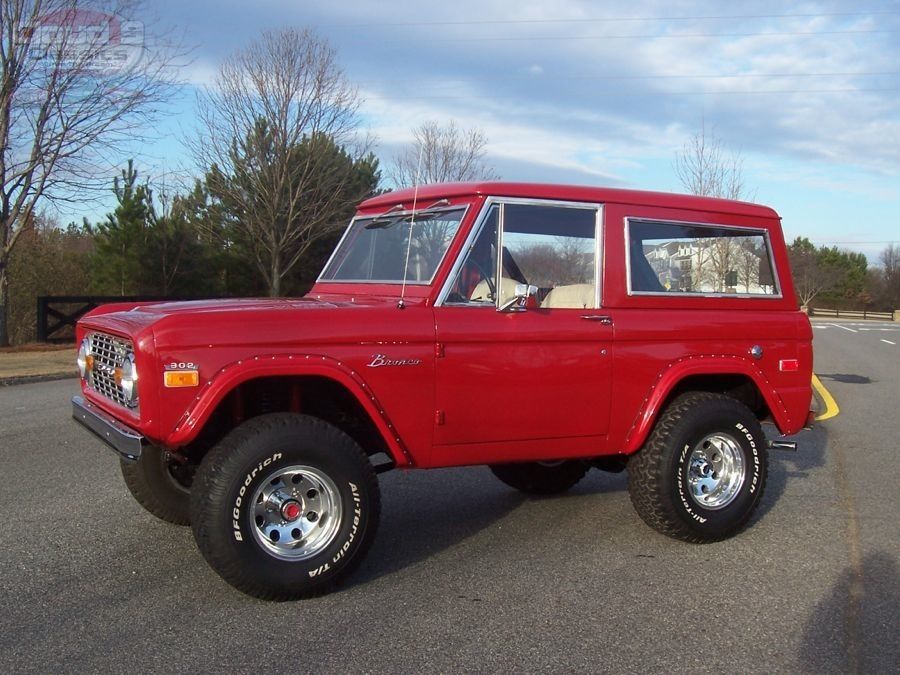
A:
{"x": 297, "y": 512}
{"x": 715, "y": 471}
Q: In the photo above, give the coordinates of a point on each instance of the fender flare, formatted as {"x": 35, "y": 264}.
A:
{"x": 233, "y": 374}
{"x": 678, "y": 370}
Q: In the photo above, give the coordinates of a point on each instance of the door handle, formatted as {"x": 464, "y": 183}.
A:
{"x": 605, "y": 319}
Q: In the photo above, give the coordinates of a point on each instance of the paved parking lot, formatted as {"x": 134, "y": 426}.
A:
{"x": 467, "y": 575}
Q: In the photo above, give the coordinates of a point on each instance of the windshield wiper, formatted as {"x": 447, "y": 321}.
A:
{"x": 381, "y": 221}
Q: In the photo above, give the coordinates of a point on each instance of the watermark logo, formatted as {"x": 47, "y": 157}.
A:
{"x": 88, "y": 40}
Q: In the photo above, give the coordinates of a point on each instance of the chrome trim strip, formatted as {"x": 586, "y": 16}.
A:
{"x": 124, "y": 440}
{"x": 464, "y": 251}
{"x": 719, "y": 226}
{"x": 397, "y": 214}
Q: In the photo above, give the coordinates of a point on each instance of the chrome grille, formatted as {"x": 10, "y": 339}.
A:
{"x": 109, "y": 354}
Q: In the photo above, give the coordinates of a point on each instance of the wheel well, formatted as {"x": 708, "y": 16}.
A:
{"x": 739, "y": 387}
{"x": 310, "y": 395}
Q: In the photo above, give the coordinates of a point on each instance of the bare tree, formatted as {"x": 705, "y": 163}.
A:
{"x": 890, "y": 274}
{"x": 76, "y": 83}
{"x": 811, "y": 275}
{"x": 275, "y": 128}
{"x": 442, "y": 154}
{"x": 704, "y": 167}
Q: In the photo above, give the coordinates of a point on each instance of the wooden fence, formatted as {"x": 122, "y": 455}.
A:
{"x": 58, "y": 314}
{"x": 852, "y": 313}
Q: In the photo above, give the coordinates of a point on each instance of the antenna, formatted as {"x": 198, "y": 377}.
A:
{"x": 412, "y": 220}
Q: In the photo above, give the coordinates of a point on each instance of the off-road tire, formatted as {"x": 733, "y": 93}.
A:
{"x": 659, "y": 475}
{"x": 160, "y": 485}
{"x": 231, "y": 533}
{"x": 541, "y": 478}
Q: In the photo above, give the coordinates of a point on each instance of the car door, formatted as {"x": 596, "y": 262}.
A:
{"x": 533, "y": 382}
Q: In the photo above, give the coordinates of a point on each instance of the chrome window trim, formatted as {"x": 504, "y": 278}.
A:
{"x": 519, "y": 201}
{"x": 464, "y": 251}
{"x": 396, "y": 214}
{"x": 719, "y": 226}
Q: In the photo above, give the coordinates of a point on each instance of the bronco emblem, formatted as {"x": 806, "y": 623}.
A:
{"x": 379, "y": 360}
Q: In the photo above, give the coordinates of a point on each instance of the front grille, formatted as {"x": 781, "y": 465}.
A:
{"x": 109, "y": 355}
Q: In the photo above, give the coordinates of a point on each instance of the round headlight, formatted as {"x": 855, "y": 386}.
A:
{"x": 85, "y": 359}
{"x": 129, "y": 379}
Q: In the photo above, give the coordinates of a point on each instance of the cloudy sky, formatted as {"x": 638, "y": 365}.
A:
{"x": 607, "y": 93}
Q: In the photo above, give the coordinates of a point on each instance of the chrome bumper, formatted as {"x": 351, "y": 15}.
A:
{"x": 125, "y": 441}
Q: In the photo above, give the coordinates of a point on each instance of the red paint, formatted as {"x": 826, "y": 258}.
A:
{"x": 290, "y": 511}
{"x": 476, "y": 385}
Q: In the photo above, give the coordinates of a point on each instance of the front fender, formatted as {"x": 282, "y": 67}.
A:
{"x": 230, "y": 376}
{"x": 676, "y": 371}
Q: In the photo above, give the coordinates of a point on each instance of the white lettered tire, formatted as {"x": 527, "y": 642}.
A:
{"x": 285, "y": 506}
{"x": 702, "y": 472}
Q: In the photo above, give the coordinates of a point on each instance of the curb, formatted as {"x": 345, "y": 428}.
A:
{"x": 29, "y": 379}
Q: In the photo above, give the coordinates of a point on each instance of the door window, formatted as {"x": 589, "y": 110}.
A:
{"x": 548, "y": 246}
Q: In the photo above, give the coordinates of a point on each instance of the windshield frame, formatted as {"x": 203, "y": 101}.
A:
{"x": 400, "y": 215}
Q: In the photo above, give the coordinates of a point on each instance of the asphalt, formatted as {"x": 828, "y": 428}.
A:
{"x": 467, "y": 575}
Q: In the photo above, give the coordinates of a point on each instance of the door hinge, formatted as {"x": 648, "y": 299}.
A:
{"x": 439, "y": 417}
{"x": 438, "y": 350}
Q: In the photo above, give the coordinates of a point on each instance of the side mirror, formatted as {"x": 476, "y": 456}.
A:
{"x": 523, "y": 299}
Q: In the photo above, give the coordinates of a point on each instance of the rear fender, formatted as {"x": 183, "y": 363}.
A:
{"x": 285, "y": 365}
{"x": 675, "y": 372}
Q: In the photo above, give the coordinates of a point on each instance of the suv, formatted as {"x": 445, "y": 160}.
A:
{"x": 541, "y": 330}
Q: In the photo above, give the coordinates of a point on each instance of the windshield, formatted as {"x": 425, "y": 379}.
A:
{"x": 375, "y": 249}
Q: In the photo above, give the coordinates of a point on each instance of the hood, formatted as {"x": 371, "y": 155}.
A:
{"x": 269, "y": 322}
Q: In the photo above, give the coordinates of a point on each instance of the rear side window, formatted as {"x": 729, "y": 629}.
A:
{"x": 686, "y": 258}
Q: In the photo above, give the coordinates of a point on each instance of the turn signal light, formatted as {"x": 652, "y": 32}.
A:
{"x": 181, "y": 378}
{"x": 789, "y": 365}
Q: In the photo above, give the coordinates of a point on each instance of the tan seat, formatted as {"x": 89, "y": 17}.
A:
{"x": 483, "y": 290}
{"x": 574, "y": 296}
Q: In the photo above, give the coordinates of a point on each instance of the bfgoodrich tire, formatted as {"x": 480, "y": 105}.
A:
{"x": 541, "y": 478}
{"x": 160, "y": 484}
{"x": 703, "y": 470}
{"x": 285, "y": 506}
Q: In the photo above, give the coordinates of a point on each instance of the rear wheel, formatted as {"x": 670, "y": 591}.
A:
{"x": 703, "y": 470}
{"x": 161, "y": 484}
{"x": 541, "y": 478}
{"x": 285, "y": 506}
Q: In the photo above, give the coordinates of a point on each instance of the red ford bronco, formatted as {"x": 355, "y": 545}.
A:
{"x": 540, "y": 330}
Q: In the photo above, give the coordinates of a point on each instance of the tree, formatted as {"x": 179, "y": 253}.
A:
{"x": 275, "y": 135}
{"x": 812, "y": 275}
{"x": 118, "y": 262}
{"x": 850, "y": 274}
{"x": 442, "y": 154}
{"x": 890, "y": 276}
{"x": 48, "y": 260}
{"x": 75, "y": 85}
{"x": 705, "y": 168}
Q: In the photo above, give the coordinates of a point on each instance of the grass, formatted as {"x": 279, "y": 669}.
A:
{"x": 37, "y": 360}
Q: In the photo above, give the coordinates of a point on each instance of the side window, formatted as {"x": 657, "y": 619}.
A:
{"x": 698, "y": 259}
{"x": 476, "y": 281}
{"x": 553, "y": 248}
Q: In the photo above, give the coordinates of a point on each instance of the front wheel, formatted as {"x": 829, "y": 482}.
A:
{"x": 160, "y": 484}
{"x": 703, "y": 470}
{"x": 285, "y": 506}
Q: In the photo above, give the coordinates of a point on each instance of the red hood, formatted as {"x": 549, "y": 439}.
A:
{"x": 252, "y": 321}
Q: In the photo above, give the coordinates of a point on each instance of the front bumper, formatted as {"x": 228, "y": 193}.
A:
{"x": 124, "y": 440}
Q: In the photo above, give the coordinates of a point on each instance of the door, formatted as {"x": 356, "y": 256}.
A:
{"x": 529, "y": 379}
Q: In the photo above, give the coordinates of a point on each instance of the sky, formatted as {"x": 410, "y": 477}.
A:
{"x": 605, "y": 93}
